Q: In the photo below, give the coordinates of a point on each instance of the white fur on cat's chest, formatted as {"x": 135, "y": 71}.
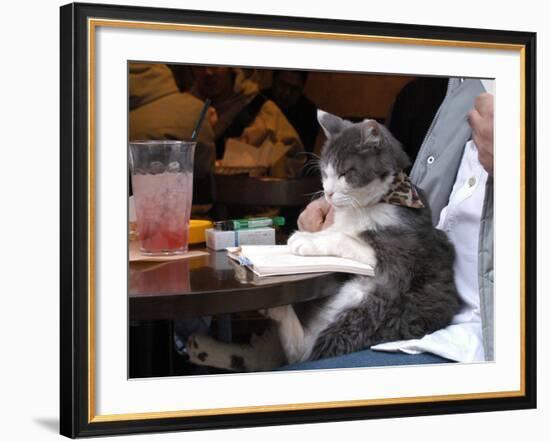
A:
{"x": 353, "y": 221}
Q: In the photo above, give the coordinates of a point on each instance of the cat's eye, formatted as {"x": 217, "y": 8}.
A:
{"x": 347, "y": 172}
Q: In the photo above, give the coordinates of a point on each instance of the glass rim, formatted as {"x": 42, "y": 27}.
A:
{"x": 162, "y": 141}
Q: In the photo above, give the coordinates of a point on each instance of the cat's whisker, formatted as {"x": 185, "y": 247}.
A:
{"x": 309, "y": 153}
{"x": 311, "y": 165}
{"x": 347, "y": 200}
{"x": 314, "y": 193}
{"x": 356, "y": 203}
{"x": 315, "y": 161}
{"x": 319, "y": 193}
{"x": 310, "y": 168}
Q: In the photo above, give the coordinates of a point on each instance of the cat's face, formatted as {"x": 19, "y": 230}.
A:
{"x": 358, "y": 161}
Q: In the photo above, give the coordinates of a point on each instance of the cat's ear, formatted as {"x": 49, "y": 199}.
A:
{"x": 371, "y": 133}
{"x": 331, "y": 124}
{"x": 377, "y": 135}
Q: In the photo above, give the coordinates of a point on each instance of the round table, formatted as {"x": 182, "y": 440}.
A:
{"x": 213, "y": 284}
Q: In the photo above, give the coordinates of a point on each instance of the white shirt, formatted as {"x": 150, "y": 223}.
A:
{"x": 462, "y": 340}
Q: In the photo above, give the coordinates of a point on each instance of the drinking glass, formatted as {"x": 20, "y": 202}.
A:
{"x": 162, "y": 182}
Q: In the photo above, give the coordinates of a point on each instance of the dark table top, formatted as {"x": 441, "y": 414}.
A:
{"x": 212, "y": 284}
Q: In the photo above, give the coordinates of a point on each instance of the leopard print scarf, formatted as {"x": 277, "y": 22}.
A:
{"x": 403, "y": 192}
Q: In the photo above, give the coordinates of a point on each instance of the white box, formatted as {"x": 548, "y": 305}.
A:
{"x": 220, "y": 240}
{"x": 256, "y": 236}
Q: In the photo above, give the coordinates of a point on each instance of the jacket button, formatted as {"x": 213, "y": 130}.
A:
{"x": 431, "y": 159}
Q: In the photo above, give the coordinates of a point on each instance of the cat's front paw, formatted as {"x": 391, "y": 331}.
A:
{"x": 303, "y": 244}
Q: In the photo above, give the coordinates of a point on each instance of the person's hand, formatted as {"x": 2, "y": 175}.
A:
{"x": 317, "y": 216}
{"x": 481, "y": 121}
{"x": 212, "y": 116}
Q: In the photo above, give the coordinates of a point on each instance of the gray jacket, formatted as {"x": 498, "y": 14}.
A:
{"x": 435, "y": 171}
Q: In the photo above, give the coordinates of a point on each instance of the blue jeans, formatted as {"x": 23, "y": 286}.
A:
{"x": 367, "y": 358}
{"x": 183, "y": 328}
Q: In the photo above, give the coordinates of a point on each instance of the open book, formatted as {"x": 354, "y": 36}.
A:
{"x": 276, "y": 260}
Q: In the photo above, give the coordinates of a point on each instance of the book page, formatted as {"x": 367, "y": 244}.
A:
{"x": 278, "y": 259}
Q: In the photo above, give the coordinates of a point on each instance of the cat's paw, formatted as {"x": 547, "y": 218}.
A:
{"x": 197, "y": 348}
{"x": 278, "y": 313}
{"x": 303, "y": 244}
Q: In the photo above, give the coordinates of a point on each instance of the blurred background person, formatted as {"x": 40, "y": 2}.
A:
{"x": 414, "y": 110}
{"x": 245, "y": 115}
{"x": 287, "y": 91}
{"x": 158, "y": 110}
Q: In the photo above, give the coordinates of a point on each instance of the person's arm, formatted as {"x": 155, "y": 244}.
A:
{"x": 481, "y": 121}
{"x": 271, "y": 125}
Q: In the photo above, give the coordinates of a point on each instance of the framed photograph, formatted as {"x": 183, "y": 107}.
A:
{"x": 245, "y": 121}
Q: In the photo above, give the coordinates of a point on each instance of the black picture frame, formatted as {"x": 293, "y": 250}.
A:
{"x": 76, "y": 417}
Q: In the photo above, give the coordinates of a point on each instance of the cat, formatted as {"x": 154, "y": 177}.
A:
{"x": 381, "y": 219}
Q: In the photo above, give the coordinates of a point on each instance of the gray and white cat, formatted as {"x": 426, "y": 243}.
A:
{"x": 379, "y": 219}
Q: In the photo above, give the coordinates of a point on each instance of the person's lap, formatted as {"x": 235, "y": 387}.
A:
{"x": 367, "y": 358}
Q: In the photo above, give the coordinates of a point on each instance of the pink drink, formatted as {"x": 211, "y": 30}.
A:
{"x": 163, "y": 207}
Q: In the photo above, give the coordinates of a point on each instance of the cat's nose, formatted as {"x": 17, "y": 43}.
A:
{"x": 328, "y": 195}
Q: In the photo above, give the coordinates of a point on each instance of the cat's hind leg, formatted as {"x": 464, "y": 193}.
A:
{"x": 292, "y": 335}
{"x": 262, "y": 354}
{"x": 300, "y": 340}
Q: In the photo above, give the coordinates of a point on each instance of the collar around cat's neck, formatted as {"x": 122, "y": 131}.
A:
{"x": 402, "y": 192}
